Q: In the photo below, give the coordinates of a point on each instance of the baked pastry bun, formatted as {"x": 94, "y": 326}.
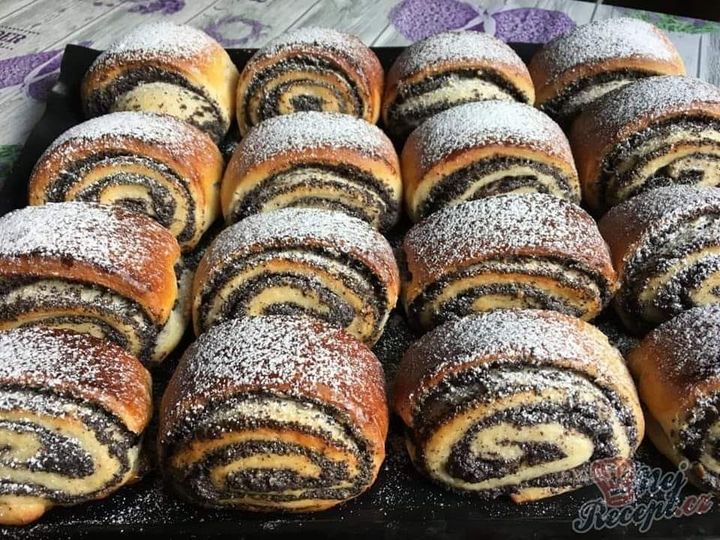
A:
{"x": 575, "y": 69}
{"x": 72, "y": 412}
{"x": 314, "y": 160}
{"x": 101, "y": 270}
{"x": 656, "y": 132}
{"x": 485, "y": 148}
{"x": 449, "y": 69}
{"x": 149, "y": 163}
{"x": 664, "y": 244}
{"x": 677, "y": 369}
{"x": 509, "y": 251}
{"x": 165, "y": 68}
{"x": 299, "y": 261}
{"x": 277, "y": 413}
{"x": 310, "y": 69}
{"x": 516, "y": 402}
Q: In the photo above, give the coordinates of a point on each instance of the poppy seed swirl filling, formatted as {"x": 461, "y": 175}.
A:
{"x": 677, "y": 370}
{"x": 301, "y": 83}
{"x": 72, "y": 412}
{"x": 533, "y": 283}
{"x": 494, "y": 176}
{"x": 511, "y": 251}
{"x": 516, "y": 402}
{"x": 344, "y": 188}
{"x": 135, "y": 89}
{"x": 582, "y": 92}
{"x": 44, "y": 455}
{"x": 264, "y": 451}
{"x": 298, "y": 261}
{"x": 315, "y": 282}
{"x": 277, "y": 412}
{"x": 503, "y": 429}
{"x": 137, "y": 183}
{"x": 684, "y": 150}
{"x": 77, "y": 306}
{"x": 673, "y": 262}
{"x": 417, "y": 101}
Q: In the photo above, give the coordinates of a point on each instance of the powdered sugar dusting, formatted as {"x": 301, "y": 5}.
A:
{"x": 452, "y": 46}
{"x": 298, "y": 227}
{"x": 485, "y": 123}
{"x": 159, "y": 38}
{"x": 147, "y": 127}
{"x": 538, "y": 337}
{"x": 348, "y": 45}
{"x": 507, "y": 225}
{"x": 621, "y": 37}
{"x": 278, "y": 350}
{"x": 650, "y": 98}
{"x": 689, "y": 345}
{"x": 73, "y": 363}
{"x": 108, "y": 237}
{"x": 666, "y": 204}
{"x": 307, "y": 131}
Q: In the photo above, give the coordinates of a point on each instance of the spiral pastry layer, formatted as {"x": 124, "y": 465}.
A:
{"x": 310, "y": 69}
{"x": 665, "y": 244}
{"x": 575, "y": 69}
{"x": 165, "y": 68}
{"x": 164, "y": 168}
{"x": 509, "y": 251}
{"x": 450, "y": 69}
{"x": 315, "y": 160}
{"x": 677, "y": 370}
{"x": 101, "y": 270}
{"x": 72, "y": 410}
{"x": 299, "y": 261}
{"x": 657, "y": 132}
{"x": 485, "y": 148}
{"x": 516, "y": 402}
{"x": 274, "y": 413}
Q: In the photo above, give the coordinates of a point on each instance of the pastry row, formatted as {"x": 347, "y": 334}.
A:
{"x": 174, "y": 173}
{"x": 288, "y": 413}
{"x": 121, "y": 276}
{"x": 179, "y": 70}
{"x": 638, "y": 123}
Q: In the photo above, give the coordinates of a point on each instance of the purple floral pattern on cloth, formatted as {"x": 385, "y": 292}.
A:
{"x": 418, "y": 19}
{"x": 250, "y": 31}
{"x": 14, "y": 70}
{"x": 162, "y": 7}
{"x": 35, "y": 73}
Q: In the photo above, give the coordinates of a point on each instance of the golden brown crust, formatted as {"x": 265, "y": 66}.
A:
{"x": 325, "y": 396}
{"x": 205, "y": 65}
{"x": 283, "y": 142}
{"x": 80, "y": 366}
{"x": 198, "y": 163}
{"x": 585, "y": 350}
{"x": 502, "y": 227}
{"x": 578, "y": 55}
{"x": 514, "y": 75}
{"x": 125, "y": 251}
{"x": 442, "y": 53}
{"x": 474, "y": 132}
{"x": 365, "y": 403}
{"x": 343, "y": 50}
{"x": 676, "y": 369}
{"x": 635, "y": 228}
{"x": 355, "y": 238}
{"x": 614, "y": 118}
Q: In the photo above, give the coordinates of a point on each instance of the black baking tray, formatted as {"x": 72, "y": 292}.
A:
{"x": 401, "y": 503}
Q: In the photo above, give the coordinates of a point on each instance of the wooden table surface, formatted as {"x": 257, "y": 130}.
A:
{"x": 33, "y": 33}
